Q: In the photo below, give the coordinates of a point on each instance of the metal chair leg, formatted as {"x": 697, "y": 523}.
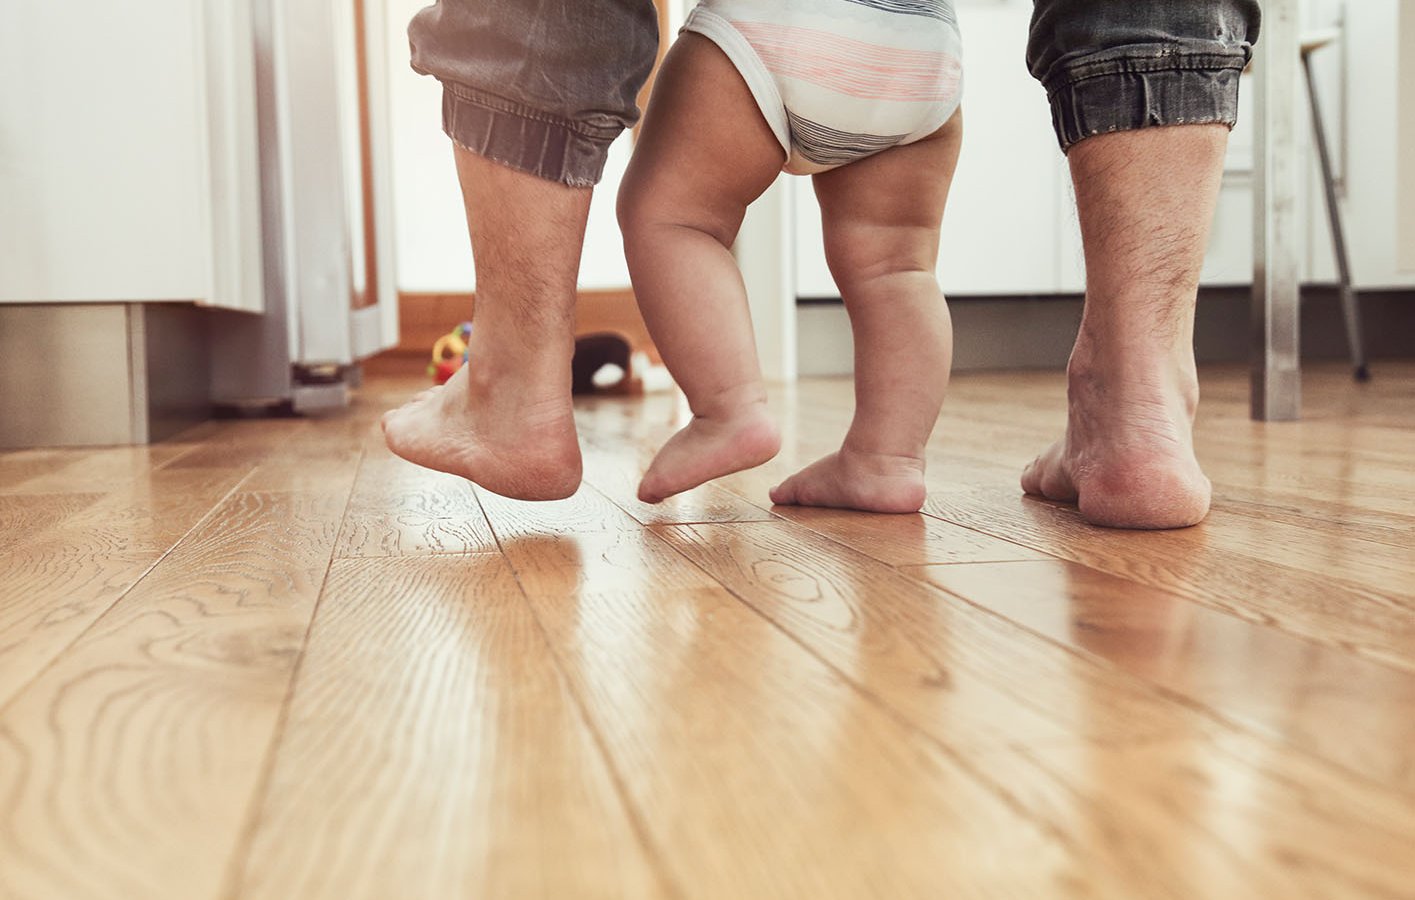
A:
{"x": 1349, "y": 309}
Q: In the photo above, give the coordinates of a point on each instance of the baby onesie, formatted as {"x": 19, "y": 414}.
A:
{"x": 839, "y": 80}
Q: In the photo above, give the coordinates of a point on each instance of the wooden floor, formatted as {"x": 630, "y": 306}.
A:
{"x": 270, "y": 660}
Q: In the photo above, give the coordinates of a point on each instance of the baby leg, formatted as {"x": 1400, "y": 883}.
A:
{"x": 881, "y": 217}
{"x": 704, "y": 154}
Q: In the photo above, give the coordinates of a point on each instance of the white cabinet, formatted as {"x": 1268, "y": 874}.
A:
{"x": 128, "y": 167}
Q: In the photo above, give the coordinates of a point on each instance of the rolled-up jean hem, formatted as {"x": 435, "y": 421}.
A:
{"x": 1122, "y": 93}
{"x": 507, "y": 133}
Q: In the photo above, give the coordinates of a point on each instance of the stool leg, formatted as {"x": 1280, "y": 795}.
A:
{"x": 1349, "y": 308}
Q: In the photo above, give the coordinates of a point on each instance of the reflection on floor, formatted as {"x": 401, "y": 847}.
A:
{"x": 271, "y": 660}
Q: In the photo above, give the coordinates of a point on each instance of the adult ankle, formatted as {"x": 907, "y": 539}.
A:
{"x": 520, "y": 359}
{"x": 1142, "y": 359}
{"x": 1128, "y": 376}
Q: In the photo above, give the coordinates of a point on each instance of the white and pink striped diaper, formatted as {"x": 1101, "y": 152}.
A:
{"x": 838, "y": 80}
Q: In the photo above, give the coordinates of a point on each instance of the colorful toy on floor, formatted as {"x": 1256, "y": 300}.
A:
{"x": 450, "y": 353}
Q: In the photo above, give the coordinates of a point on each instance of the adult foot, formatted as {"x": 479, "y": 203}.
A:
{"x": 849, "y": 480}
{"x": 710, "y": 447}
{"x": 492, "y": 432}
{"x": 1127, "y": 459}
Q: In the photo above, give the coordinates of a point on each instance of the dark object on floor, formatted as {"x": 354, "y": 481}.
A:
{"x": 595, "y": 351}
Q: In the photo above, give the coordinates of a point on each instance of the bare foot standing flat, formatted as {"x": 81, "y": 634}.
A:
{"x": 1146, "y": 200}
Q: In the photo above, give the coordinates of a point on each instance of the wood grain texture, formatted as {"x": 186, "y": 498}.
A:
{"x": 617, "y": 475}
{"x": 22, "y": 516}
{"x": 567, "y": 566}
{"x": 138, "y": 751}
{"x": 399, "y": 509}
{"x": 60, "y": 580}
{"x": 433, "y": 751}
{"x": 154, "y": 511}
{"x": 958, "y": 674}
{"x": 90, "y": 471}
{"x": 54, "y": 588}
{"x": 710, "y": 698}
{"x": 18, "y": 466}
{"x": 1266, "y": 680}
{"x": 907, "y": 540}
{"x": 1218, "y": 816}
{"x": 1377, "y": 622}
{"x": 588, "y": 510}
{"x": 748, "y": 760}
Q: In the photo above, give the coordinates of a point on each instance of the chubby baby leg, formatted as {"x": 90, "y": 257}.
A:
{"x": 704, "y": 154}
{"x": 881, "y": 217}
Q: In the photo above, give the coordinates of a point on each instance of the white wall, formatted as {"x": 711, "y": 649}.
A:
{"x": 1406, "y": 145}
{"x": 429, "y": 223}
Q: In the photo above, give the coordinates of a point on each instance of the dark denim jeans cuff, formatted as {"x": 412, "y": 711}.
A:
{"x": 540, "y": 144}
{"x": 1137, "y": 87}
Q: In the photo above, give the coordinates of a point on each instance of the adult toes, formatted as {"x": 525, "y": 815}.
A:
{"x": 1034, "y": 477}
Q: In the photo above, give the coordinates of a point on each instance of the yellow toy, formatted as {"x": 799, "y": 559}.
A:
{"x": 450, "y": 353}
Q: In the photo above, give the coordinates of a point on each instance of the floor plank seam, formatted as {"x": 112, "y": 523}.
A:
{"x": 642, "y": 524}
{"x": 168, "y": 462}
{"x": 1007, "y": 797}
{"x": 1171, "y": 695}
{"x": 231, "y": 881}
{"x": 998, "y": 537}
{"x": 1218, "y": 605}
{"x": 7, "y": 702}
{"x": 641, "y": 830}
{"x": 652, "y": 852}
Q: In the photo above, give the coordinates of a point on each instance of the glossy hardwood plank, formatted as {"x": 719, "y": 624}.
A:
{"x": 1378, "y": 623}
{"x": 399, "y": 509}
{"x": 961, "y": 675}
{"x": 154, "y": 511}
{"x": 60, "y": 580}
{"x": 310, "y": 442}
{"x": 54, "y": 587}
{"x": 303, "y": 477}
{"x": 431, "y": 750}
{"x": 22, "y": 516}
{"x": 96, "y": 470}
{"x": 751, "y": 764}
{"x": 907, "y": 540}
{"x": 17, "y": 466}
{"x": 1322, "y": 700}
{"x": 588, "y": 510}
{"x": 138, "y": 750}
{"x": 564, "y": 567}
{"x": 1218, "y": 815}
{"x": 767, "y": 707}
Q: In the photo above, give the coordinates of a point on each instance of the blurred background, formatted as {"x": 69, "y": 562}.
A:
{"x": 243, "y": 204}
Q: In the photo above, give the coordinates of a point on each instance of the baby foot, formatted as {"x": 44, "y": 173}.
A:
{"x": 850, "y": 480}
{"x": 708, "y": 448}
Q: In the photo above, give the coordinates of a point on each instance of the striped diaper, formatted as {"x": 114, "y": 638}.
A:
{"x": 839, "y": 80}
